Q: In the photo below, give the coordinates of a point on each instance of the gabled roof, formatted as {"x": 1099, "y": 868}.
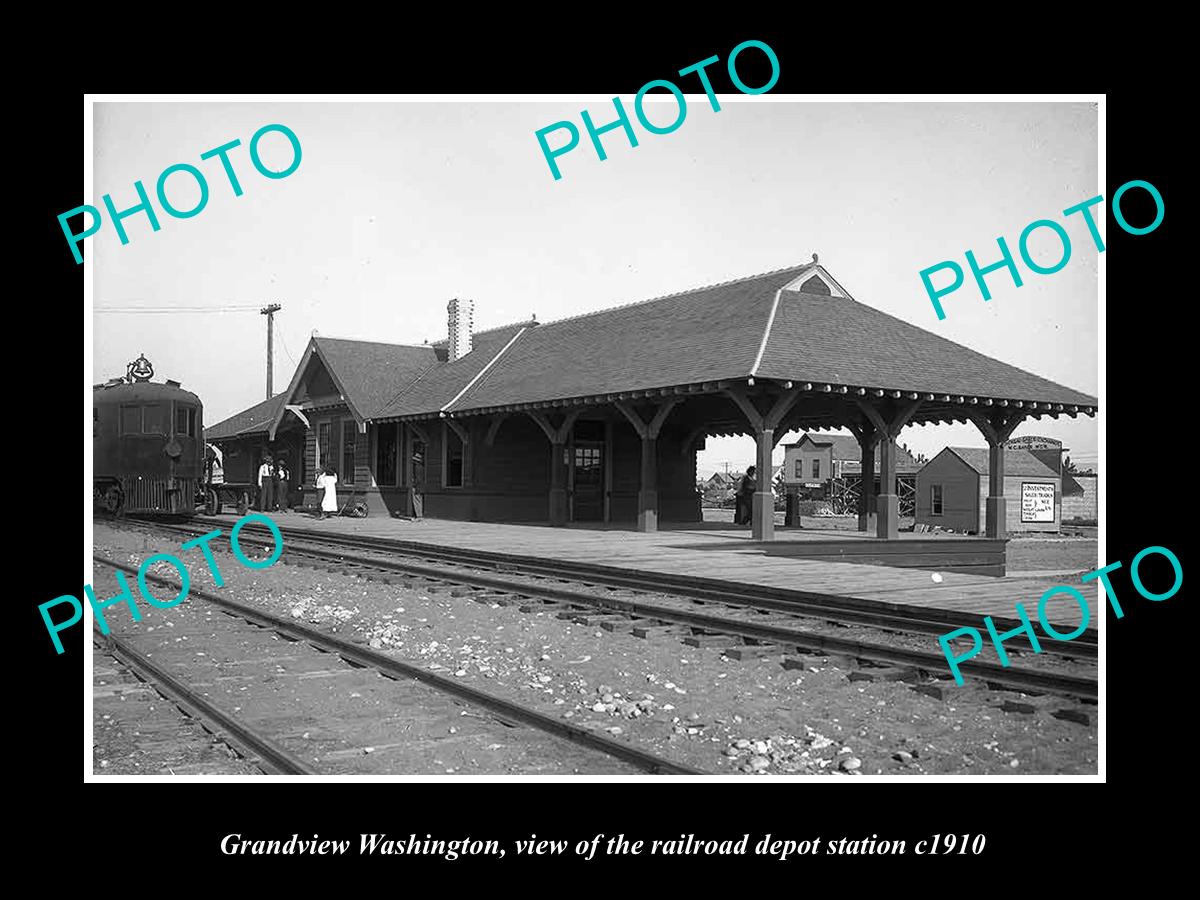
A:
{"x": 706, "y": 334}
{"x": 441, "y": 385}
{"x": 368, "y": 372}
{"x": 254, "y": 420}
{"x": 1016, "y": 462}
{"x": 762, "y": 326}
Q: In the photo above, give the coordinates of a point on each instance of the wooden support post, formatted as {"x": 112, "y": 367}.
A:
{"x": 866, "y": 490}
{"x": 997, "y": 429}
{"x": 887, "y": 504}
{"x": 762, "y": 513}
{"x": 868, "y": 436}
{"x": 647, "y": 519}
{"x": 557, "y": 436}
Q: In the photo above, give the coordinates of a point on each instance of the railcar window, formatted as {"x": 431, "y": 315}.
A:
{"x": 131, "y": 420}
{"x": 185, "y": 421}
{"x": 152, "y": 420}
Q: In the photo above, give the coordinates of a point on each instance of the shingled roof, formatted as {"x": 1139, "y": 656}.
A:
{"x": 762, "y": 326}
{"x": 249, "y": 421}
{"x": 370, "y": 372}
{"x": 1016, "y": 462}
{"x": 795, "y": 324}
{"x": 439, "y": 386}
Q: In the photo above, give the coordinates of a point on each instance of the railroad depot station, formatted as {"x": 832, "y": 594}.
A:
{"x": 597, "y": 418}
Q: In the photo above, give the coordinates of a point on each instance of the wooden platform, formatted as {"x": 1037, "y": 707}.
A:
{"x": 714, "y": 550}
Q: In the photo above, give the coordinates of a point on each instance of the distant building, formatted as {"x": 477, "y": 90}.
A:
{"x": 829, "y": 467}
{"x": 1079, "y": 496}
{"x": 952, "y": 491}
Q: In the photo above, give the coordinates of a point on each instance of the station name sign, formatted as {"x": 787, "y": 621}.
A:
{"x": 1033, "y": 443}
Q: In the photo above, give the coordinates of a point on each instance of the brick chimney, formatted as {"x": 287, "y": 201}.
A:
{"x": 460, "y": 322}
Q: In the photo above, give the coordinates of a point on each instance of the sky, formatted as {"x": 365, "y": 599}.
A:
{"x": 396, "y": 207}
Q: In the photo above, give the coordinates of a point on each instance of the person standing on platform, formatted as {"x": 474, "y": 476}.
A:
{"x": 282, "y": 479}
{"x": 327, "y": 481}
{"x": 266, "y": 485}
{"x": 744, "y": 504}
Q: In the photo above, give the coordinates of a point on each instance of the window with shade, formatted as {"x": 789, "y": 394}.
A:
{"x": 349, "y": 441}
{"x": 325, "y": 454}
{"x": 454, "y": 457}
{"x": 387, "y": 445}
{"x": 816, "y": 469}
{"x": 799, "y": 469}
{"x": 935, "y": 500}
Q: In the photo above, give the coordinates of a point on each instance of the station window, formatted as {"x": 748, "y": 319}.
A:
{"x": 799, "y": 469}
{"x": 816, "y": 469}
{"x": 935, "y": 500}
{"x": 185, "y": 421}
{"x": 325, "y": 454}
{"x": 454, "y": 458}
{"x": 387, "y": 442}
{"x": 349, "y": 437}
{"x": 131, "y": 420}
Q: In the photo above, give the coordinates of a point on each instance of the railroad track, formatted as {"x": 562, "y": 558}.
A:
{"x": 255, "y": 748}
{"x": 361, "y": 657}
{"x": 755, "y": 630}
{"x": 849, "y": 610}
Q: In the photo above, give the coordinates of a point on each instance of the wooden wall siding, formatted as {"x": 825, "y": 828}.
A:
{"x": 961, "y": 507}
{"x": 964, "y": 498}
{"x": 510, "y": 481}
{"x": 1082, "y": 506}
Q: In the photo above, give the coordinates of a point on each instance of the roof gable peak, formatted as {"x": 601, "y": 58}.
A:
{"x": 815, "y": 280}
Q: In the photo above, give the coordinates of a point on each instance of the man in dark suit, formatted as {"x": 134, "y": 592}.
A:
{"x": 744, "y": 502}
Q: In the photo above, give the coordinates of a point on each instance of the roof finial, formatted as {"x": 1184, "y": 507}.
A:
{"x": 814, "y": 259}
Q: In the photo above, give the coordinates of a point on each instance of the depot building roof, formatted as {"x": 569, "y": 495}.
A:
{"x": 793, "y": 326}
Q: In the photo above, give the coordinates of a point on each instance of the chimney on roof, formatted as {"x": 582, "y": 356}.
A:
{"x": 460, "y": 322}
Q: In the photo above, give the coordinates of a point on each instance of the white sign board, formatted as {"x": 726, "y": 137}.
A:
{"x": 1037, "y": 502}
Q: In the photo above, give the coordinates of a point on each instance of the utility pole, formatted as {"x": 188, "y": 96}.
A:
{"x": 269, "y": 312}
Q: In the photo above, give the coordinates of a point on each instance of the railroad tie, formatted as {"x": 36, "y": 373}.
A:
{"x": 754, "y": 651}
{"x": 592, "y": 619}
{"x": 1072, "y": 715}
{"x": 885, "y": 673}
{"x": 720, "y": 641}
{"x": 658, "y": 630}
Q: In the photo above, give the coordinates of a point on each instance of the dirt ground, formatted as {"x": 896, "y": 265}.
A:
{"x": 691, "y": 704}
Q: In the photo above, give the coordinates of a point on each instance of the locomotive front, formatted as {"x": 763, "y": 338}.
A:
{"x": 147, "y": 445}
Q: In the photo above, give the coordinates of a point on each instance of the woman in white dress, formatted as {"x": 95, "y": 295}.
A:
{"x": 328, "y": 481}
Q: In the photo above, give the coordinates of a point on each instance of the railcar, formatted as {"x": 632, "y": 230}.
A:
{"x": 147, "y": 445}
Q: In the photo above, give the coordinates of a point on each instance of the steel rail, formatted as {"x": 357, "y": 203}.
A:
{"x": 254, "y": 747}
{"x": 367, "y": 658}
{"x": 1005, "y": 676}
{"x": 878, "y": 614}
{"x": 1019, "y": 679}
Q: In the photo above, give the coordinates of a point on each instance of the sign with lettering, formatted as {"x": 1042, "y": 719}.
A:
{"x": 1037, "y": 502}
{"x": 1033, "y": 443}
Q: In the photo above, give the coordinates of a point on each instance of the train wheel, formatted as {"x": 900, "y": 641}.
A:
{"x": 212, "y": 504}
{"x": 114, "y": 501}
{"x": 243, "y": 503}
